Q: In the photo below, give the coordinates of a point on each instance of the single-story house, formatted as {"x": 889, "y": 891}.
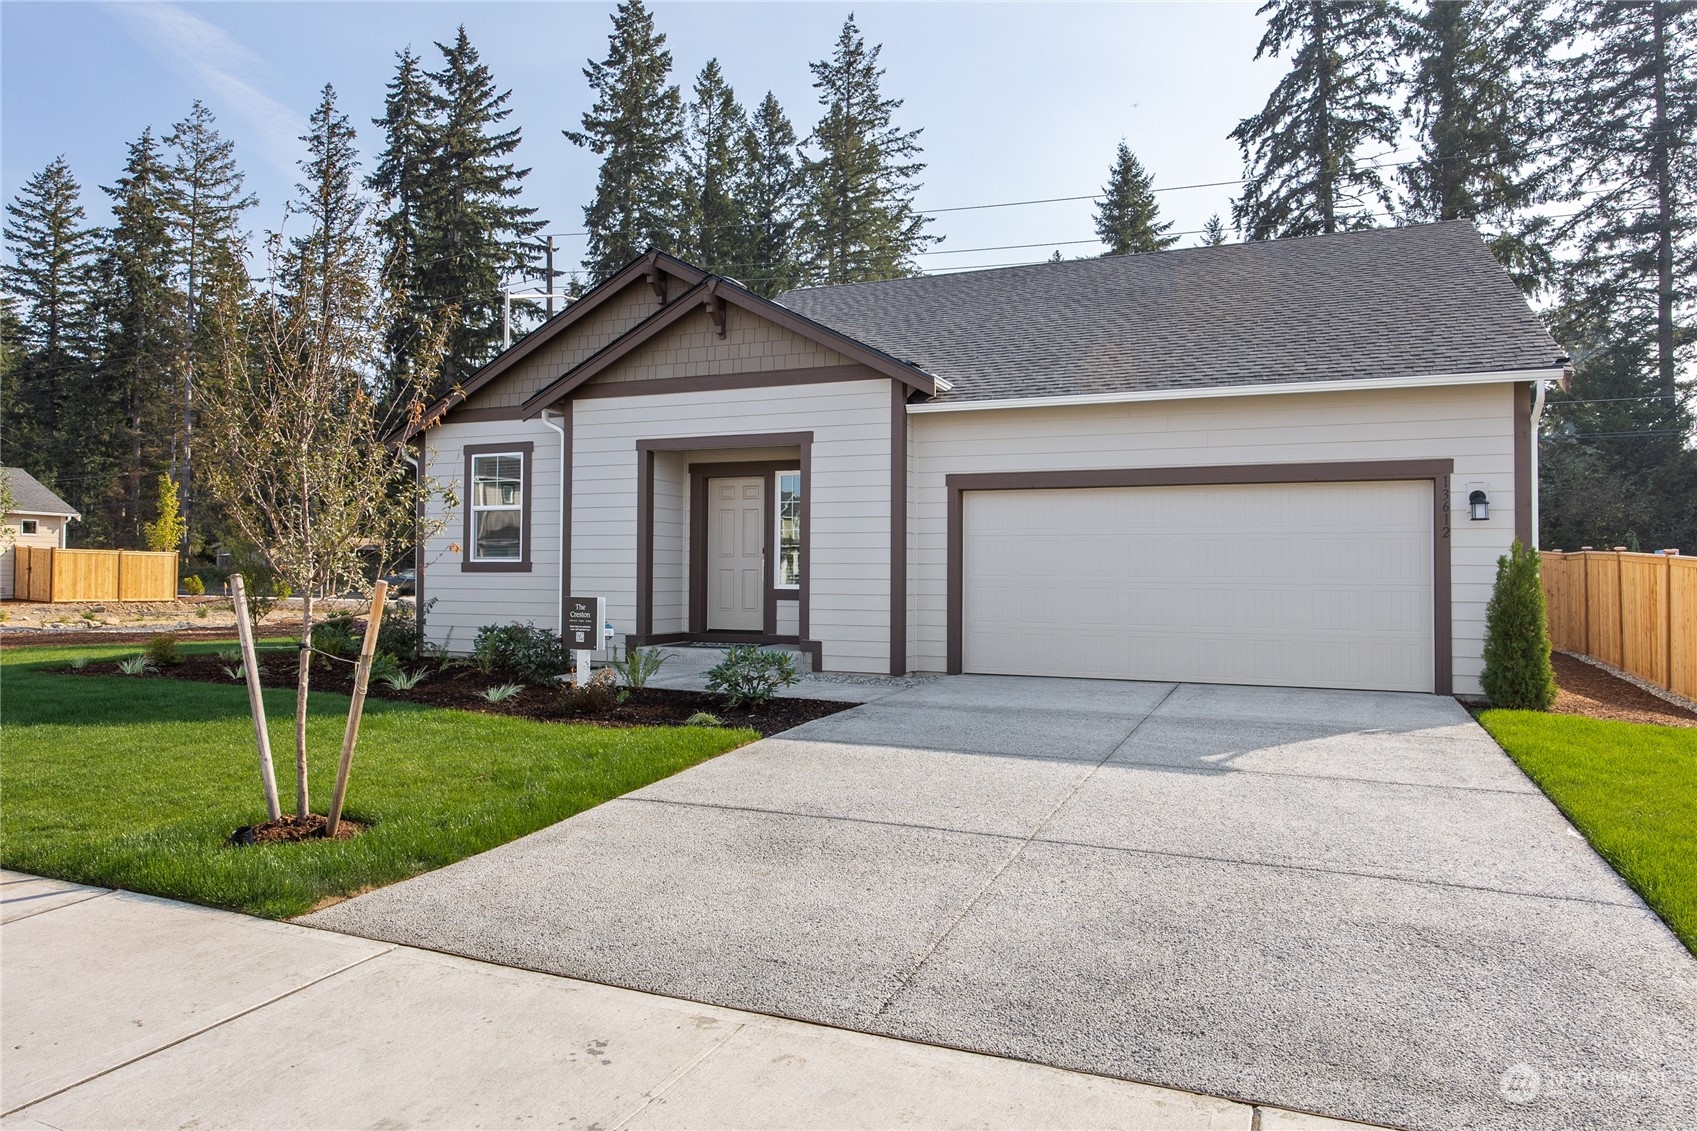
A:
{"x": 1242, "y": 464}
{"x": 37, "y": 517}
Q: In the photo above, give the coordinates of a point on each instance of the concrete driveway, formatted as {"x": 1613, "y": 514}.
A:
{"x": 1341, "y": 902}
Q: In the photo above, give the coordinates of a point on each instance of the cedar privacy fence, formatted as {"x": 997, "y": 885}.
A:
{"x": 1636, "y": 612}
{"x": 43, "y": 573}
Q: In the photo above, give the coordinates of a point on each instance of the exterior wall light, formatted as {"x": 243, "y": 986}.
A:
{"x": 1479, "y": 505}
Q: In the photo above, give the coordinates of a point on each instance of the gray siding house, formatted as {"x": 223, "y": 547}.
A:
{"x": 1243, "y": 464}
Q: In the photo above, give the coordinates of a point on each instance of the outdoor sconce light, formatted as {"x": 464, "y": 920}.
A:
{"x": 1479, "y": 505}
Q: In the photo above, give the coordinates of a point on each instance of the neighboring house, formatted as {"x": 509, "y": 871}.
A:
{"x": 38, "y": 518}
{"x": 1239, "y": 464}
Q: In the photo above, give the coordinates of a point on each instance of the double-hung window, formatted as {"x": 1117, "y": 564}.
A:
{"x": 788, "y": 564}
{"x": 497, "y": 507}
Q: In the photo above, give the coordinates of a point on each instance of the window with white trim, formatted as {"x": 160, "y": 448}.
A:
{"x": 29, "y": 525}
{"x": 497, "y": 507}
{"x": 788, "y": 564}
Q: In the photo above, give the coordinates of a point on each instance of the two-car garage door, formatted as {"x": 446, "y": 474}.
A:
{"x": 1302, "y": 584}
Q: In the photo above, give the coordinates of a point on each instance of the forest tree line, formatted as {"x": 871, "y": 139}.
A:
{"x": 1567, "y": 132}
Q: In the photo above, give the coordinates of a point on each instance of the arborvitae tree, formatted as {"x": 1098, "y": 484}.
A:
{"x": 400, "y": 179}
{"x": 1305, "y": 172}
{"x": 1471, "y": 100}
{"x": 1127, "y": 215}
{"x": 141, "y": 316}
{"x": 635, "y": 127}
{"x": 713, "y": 158}
{"x": 49, "y": 294}
{"x": 860, "y": 221}
{"x": 1517, "y": 673}
{"x": 206, "y": 204}
{"x": 475, "y": 234}
{"x": 770, "y": 194}
{"x": 1214, "y": 232}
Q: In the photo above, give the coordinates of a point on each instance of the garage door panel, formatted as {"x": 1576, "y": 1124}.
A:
{"x": 1286, "y": 584}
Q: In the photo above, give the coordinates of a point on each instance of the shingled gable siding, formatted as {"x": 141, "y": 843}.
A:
{"x": 1470, "y": 424}
{"x": 598, "y": 329}
{"x": 467, "y": 601}
{"x": 693, "y": 348}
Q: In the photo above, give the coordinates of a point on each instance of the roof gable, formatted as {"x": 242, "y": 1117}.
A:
{"x": 29, "y": 497}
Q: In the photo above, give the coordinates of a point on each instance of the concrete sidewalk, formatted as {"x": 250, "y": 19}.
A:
{"x": 121, "y": 1010}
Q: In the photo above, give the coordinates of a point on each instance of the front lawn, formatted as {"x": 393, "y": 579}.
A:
{"x": 1630, "y": 788}
{"x": 134, "y": 782}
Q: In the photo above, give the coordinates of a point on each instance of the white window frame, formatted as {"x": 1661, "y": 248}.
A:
{"x": 778, "y": 530}
{"x": 29, "y": 526}
{"x": 477, "y": 508}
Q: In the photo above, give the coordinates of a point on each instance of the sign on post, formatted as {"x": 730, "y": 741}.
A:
{"x": 584, "y": 617}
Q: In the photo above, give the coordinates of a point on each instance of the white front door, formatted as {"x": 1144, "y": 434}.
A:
{"x": 736, "y": 554}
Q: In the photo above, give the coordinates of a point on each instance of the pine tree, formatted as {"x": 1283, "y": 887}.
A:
{"x": 1126, "y": 216}
{"x": 1470, "y": 96}
{"x": 771, "y": 194}
{"x": 333, "y": 247}
{"x": 636, "y": 128}
{"x": 475, "y": 234}
{"x": 206, "y": 204}
{"x": 49, "y": 293}
{"x": 1517, "y": 673}
{"x": 713, "y": 155}
{"x": 400, "y": 179}
{"x": 1304, "y": 169}
{"x": 860, "y": 223}
{"x": 1214, "y": 232}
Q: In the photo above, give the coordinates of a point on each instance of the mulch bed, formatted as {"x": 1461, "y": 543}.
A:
{"x": 462, "y": 690}
{"x": 288, "y": 830}
{"x": 1585, "y": 689}
{"x": 74, "y": 638}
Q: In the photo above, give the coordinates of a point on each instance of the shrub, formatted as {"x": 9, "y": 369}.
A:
{"x": 237, "y": 673}
{"x": 1517, "y": 672}
{"x": 599, "y": 693}
{"x": 519, "y": 651}
{"x": 398, "y": 634}
{"x": 401, "y": 680}
{"x": 134, "y": 665}
{"x": 78, "y": 663}
{"x": 639, "y": 666}
{"x": 751, "y": 675}
{"x": 502, "y": 693}
{"x": 194, "y": 586}
{"x": 703, "y": 719}
{"x": 163, "y": 651}
{"x": 336, "y": 636}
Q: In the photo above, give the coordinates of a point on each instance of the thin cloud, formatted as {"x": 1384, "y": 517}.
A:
{"x": 202, "y": 48}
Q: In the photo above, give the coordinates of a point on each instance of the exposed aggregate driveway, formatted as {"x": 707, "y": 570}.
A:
{"x": 1350, "y": 903}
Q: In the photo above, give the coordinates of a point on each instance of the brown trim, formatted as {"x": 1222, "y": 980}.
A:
{"x": 644, "y": 541}
{"x": 699, "y": 475}
{"x": 720, "y": 382}
{"x": 804, "y": 618}
{"x": 898, "y": 528}
{"x": 420, "y": 473}
{"x": 1521, "y": 405}
{"x": 483, "y": 415}
{"x": 567, "y": 482}
{"x": 707, "y": 443}
{"x": 527, "y": 449}
{"x": 1436, "y": 470}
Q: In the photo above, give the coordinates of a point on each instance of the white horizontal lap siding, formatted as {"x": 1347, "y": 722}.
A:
{"x": 848, "y": 559}
{"x": 465, "y": 602}
{"x": 1470, "y": 424}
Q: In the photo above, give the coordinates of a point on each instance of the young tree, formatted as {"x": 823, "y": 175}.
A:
{"x": 49, "y": 288}
{"x": 1304, "y": 171}
{"x": 770, "y": 193}
{"x": 168, "y": 531}
{"x": 1127, "y": 217}
{"x": 1517, "y": 673}
{"x": 1214, "y": 232}
{"x": 713, "y": 155}
{"x": 860, "y": 223}
{"x": 635, "y": 127}
{"x": 400, "y": 178}
{"x": 295, "y": 427}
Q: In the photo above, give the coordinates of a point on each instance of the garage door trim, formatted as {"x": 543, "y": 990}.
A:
{"x": 1437, "y": 471}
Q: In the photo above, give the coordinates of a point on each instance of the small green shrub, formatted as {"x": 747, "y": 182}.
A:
{"x": 521, "y": 652}
{"x": 237, "y": 673}
{"x": 336, "y": 636}
{"x": 703, "y": 719}
{"x": 502, "y": 692}
{"x": 163, "y": 651}
{"x": 194, "y": 586}
{"x": 1518, "y": 675}
{"x": 400, "y": 680}
{"x": 200, "y": 613}
{"x": 229, "y": 655}
{"x": 639, "y": 666}
{"x": 751, "y": 675}
{"x": 384, "y": 665}
{"x": 398, "y": 634}
{"x": 599, "y": 693}
{"x": 78, "y": 663}
{"x": 134, "y": 665}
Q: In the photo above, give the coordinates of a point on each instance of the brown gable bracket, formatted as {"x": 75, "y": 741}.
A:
{"x": 656, "y": 277}
{"x": 714, "y": 304}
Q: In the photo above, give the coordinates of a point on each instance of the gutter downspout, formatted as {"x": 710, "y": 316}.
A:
{"x": 1537, "y": 418}
{"x": 560, "y": 605}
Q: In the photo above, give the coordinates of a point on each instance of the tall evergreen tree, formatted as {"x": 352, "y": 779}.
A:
{"x": 770, "y": 195}
{"x": 1305, "y": 172}
{"x": 860, "y": 221}
{"x": 49, "y": 294}
{"x": 334, "y": 245}
{"x": 713, "y": 158}
{"x": 1127, "y": 217}
{"x": 1214, "y": 232}
{"x": 206, "y": 204}
{"x": 476, "y": 234}
{"x": 635, "y": 127}
{"x": 400, "y": 178}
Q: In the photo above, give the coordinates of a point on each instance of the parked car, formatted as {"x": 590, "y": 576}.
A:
{"x": 403, "y": 582}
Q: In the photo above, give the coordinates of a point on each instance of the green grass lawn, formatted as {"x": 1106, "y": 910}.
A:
{"x": 134, "y": 782}
{"x": 1631, "y": 789}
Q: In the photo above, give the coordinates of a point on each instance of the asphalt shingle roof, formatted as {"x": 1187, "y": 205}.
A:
{"x": 30, "y": 497}
{"x": 1383, "y": 303}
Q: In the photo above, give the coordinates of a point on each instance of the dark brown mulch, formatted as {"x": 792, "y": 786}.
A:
{"x": 1585, "y": 689}
{"x": 288, "y": 830}
{"x": 71, "y": 638}
{"x": 462, "y": 690}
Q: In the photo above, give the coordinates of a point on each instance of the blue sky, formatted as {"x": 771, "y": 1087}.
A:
{"x": 1017, "y": 101}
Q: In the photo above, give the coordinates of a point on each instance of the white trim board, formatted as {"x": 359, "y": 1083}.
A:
{"x": 1134, "y": 395}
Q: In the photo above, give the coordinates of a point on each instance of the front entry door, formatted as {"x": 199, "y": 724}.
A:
{"x": 736, "y": 554}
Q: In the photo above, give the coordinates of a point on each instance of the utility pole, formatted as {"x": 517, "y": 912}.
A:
{"x": 550, "y": 284}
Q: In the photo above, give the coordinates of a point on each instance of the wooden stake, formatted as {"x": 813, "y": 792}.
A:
{"x": 362, "y": 678}
{"x": 255, "y": 697}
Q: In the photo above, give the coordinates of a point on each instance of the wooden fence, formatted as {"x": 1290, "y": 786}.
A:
{"x": 1637, "y": 612}
{"x": 42, "y": 573}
